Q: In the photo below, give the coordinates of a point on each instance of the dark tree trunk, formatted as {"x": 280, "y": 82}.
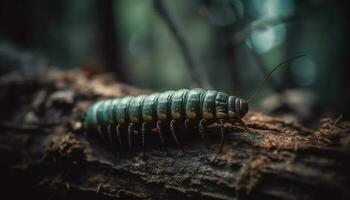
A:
{"x": 45, "y": 155}
{"x": 109, "y": 40}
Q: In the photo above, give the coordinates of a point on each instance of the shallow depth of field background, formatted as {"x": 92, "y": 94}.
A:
{"x": 234, "y": 41}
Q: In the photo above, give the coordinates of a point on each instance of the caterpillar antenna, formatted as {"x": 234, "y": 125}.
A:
{"x": 258, "y": 89}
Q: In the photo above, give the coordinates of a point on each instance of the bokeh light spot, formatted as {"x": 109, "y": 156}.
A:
{"x": 273, "y": 8}
{"x": 264, "y": 40}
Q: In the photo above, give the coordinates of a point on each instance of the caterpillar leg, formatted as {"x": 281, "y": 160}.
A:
{"x": 201, "y": 130}
{"x": 110, "y": 137}
{"x": 100, "y": 132}
{"x": 130, "y": 130}
{"x": 117, "y": 130}
{"x": 143, "y": 131}
{"x": 109, "y": 133}
{"x": 222, "y": 129}
{"x": 160, "y": 133}
{"x": 119, "y": 148}
{"x": 244, "y": 126}
{"x": 172, "y": 130}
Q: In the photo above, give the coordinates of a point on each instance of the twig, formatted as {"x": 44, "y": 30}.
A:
{"x": 197, "y": 73}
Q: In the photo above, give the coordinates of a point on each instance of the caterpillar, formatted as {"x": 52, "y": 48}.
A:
{"x": 196, "y": 107}
{"x": 191, "y": 107}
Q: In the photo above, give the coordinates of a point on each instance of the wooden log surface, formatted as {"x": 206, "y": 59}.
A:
{"x": 44, "y": 153}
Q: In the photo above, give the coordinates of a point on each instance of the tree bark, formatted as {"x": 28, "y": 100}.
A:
{"x": 45, "y": 154}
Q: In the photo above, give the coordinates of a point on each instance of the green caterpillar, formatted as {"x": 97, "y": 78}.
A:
{"x": 195, "y": 108}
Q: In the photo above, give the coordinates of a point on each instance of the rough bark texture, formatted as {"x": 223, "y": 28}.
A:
{"x": 45, "y": 154}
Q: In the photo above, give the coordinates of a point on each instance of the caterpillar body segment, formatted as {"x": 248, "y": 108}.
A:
{"x": 113, "y": 118}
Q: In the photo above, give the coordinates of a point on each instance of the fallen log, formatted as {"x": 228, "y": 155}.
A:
{"x": 45, "y": 154}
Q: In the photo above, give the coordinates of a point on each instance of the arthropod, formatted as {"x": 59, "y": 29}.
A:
{"x": 195, "y": 107}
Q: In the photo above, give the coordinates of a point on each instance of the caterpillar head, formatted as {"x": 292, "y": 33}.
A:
{"x": 237, "y": 107}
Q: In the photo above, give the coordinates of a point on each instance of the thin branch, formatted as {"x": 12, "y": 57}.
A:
{"x": 197, "y": 72}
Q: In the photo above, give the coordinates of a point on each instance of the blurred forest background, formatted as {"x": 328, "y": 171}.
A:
{"x": 233, "y": 43}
